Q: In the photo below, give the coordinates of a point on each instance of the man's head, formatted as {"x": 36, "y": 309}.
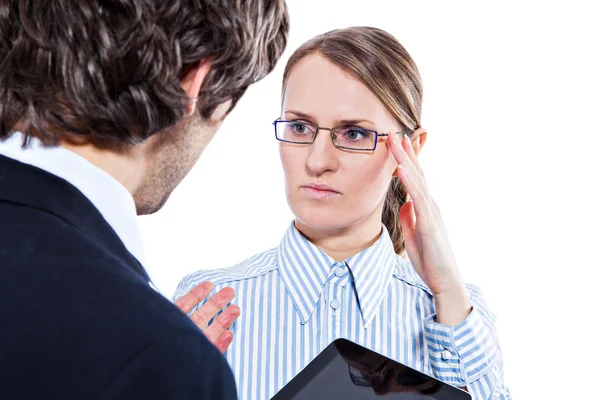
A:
{"x": 143, "y": 82}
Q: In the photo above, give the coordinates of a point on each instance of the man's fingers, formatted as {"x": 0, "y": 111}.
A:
{"x": 212, "y": 306}
{"x": 193, "y": 297}
{"x": 223, "y": 321}
{"x": 217, "y": 332}
{"x": 223, "y": 341}
{"x": 227, "y": 318}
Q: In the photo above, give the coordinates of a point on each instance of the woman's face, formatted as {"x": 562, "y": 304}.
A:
{"x": 328, "y": 188}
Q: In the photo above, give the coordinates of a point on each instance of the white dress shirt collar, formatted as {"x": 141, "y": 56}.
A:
{"x": 304, "y": 269}
{"x": 108, "y": 195}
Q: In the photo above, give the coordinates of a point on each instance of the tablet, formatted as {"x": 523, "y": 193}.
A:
{"x": 348, "y": 371}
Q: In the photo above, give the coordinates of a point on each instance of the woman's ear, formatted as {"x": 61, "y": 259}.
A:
{"x": 192, "y": 83}
{"x": 418, "y": 139}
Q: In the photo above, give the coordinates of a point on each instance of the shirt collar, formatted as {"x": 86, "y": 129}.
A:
{"x": 112, "y": 199}
{"x": 372, "y": 270}
{"x": 304, "y": 268}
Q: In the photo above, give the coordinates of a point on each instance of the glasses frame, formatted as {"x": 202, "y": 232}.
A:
{"x": 407, "y": 131}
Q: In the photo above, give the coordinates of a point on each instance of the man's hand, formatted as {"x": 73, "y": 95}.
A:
{"x": 217, "y": 332}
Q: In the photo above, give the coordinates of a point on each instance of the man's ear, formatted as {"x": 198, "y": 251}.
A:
{"x": 192, "y": 83}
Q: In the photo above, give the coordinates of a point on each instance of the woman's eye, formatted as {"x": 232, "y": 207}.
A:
{"x": 355, "y": 134}
{"x": 299, "y": 128}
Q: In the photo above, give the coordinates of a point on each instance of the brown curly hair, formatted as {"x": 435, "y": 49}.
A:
{"x": 109, "y": 72}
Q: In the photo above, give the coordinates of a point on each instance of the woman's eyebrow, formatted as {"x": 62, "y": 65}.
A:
{"x": 298, "y": 114}
{"x": 354, "y": 121}
{"x": 339, "y": 122}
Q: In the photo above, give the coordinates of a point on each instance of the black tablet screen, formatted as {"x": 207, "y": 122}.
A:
{"x": 345, "y": 370}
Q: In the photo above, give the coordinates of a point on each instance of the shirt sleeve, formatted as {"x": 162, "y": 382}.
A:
{"x": 468, "y": 354}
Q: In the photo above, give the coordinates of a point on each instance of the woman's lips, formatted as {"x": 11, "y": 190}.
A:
{"x": 319, "y": 192}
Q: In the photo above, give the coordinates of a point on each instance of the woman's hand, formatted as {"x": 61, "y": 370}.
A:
{"x": 425, "y": 236}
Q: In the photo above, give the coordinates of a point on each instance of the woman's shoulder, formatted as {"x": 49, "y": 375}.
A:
{"x": 256, "y": 266}
{"x": 405, "y": 272}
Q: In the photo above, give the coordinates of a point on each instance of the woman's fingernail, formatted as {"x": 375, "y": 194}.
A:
{"x": 401, "y": 169}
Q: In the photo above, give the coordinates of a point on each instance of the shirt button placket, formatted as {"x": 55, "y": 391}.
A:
{"x": 335, "y": 304}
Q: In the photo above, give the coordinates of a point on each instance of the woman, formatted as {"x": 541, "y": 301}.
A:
{"x": 349, "y": 135}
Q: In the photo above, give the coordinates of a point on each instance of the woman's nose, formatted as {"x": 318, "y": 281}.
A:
{"x": 322, "y": 156}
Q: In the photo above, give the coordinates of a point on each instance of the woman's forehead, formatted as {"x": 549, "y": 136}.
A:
{"x": 321, "y": 89}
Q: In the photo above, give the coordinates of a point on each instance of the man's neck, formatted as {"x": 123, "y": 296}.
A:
{"x": 125, "y": 166}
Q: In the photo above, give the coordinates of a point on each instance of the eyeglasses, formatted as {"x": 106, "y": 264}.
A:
{"x": 344, "y": 137}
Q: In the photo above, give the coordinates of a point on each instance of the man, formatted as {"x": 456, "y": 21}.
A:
{"x": 104, "y": 108}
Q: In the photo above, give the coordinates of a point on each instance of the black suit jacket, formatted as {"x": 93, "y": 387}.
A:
{"x": 78, "y": 319}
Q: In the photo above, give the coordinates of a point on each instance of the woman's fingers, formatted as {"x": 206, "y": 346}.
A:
{"x": 410, "y": 150}
{"x": 420, "y": 202}
{"x": 408, "y": 221}
{"x": 407, "y": 218}
{"x": 414, "y": 183}
{"x": 399, "y": 146}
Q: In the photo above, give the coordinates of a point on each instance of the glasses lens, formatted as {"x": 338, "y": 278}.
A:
{"x": 295, "y": 131}
{"x": 352, "y": 137}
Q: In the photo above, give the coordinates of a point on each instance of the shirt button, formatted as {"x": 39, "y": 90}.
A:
{"x": 446, "y": 355}
{"x": 335, "y": 304}
{"x": 339, "y": 272}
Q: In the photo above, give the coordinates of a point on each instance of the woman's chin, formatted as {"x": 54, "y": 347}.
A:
{"x": 321, "y": 220}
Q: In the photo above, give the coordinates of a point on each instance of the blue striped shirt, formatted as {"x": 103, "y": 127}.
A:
{"x": 295, "y": 300}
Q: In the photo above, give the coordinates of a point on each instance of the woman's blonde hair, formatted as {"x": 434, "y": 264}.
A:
{"x": 382, "y": 64}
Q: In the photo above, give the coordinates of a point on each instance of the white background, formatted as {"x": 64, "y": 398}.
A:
{"x": 512, "y": 100}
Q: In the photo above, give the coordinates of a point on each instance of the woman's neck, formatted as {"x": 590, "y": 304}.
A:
{"x": 342, "y": 243}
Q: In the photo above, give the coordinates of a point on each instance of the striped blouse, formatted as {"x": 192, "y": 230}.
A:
{"x": 295, "y": 300}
